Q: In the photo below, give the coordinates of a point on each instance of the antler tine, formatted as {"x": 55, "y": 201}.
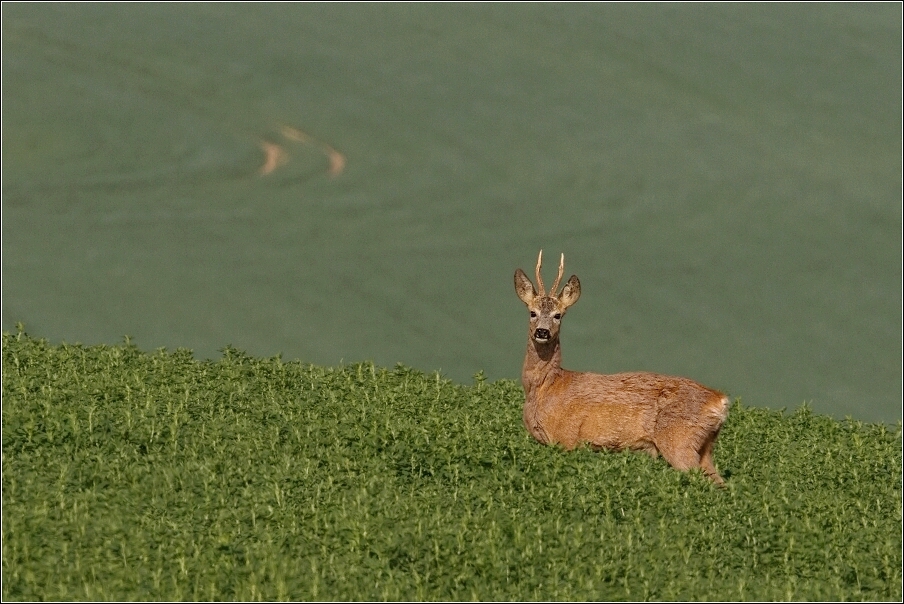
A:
{"x": 542, "y": 290}
{"x": 555, "y": 285}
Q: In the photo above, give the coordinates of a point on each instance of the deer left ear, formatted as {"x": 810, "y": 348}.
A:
{"x": 571, "y": 292}
{"x": 523, "y": 287}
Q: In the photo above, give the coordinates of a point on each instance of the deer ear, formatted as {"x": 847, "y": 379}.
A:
{"x": 523, "y": 287}
{"x": 571, "y": 292}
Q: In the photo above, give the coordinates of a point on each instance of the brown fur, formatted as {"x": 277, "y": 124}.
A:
{"x": 674, "y": 416}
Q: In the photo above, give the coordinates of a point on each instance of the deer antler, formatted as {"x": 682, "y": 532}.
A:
{"x": 542, "y": 290}
{"x": 555, "y": 285}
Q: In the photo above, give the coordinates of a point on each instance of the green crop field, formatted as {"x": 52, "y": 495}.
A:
{"x": 154, "y": 476}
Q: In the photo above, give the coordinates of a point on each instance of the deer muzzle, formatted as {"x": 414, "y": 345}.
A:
{"x": 541, "y": 335}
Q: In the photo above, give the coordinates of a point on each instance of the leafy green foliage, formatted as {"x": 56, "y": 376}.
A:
{"x": 135, "y": 476}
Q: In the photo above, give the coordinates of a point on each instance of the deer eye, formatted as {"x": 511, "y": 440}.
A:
{"x": 557, "y": 316}
{"x": 532, "y": 314}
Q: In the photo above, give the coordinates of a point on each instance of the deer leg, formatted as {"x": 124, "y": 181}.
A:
{"x": 706, "y": 461}
{"x": 679, "y": 456}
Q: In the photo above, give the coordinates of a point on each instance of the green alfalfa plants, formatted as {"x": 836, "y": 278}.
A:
{"x": 135, "y": 475}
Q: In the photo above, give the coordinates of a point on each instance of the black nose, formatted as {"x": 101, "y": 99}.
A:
{"x": 542, "y": 334}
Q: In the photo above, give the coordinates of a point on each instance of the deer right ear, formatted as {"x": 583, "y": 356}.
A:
{"x": 523, "y": 287}
{"x": 571, "y": 292}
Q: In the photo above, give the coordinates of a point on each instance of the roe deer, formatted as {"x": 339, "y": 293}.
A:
{"x": 674, "y": 416}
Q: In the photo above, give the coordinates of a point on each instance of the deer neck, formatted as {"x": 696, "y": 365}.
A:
{"x": 542, "y": 365}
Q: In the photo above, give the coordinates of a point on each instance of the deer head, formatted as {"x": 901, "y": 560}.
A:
{"x": 546, "y": 310}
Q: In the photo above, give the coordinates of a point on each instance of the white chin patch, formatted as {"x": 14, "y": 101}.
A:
{"x": 541, "y": 340}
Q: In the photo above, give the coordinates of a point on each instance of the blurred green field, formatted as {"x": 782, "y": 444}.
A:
{"x": 155, "y": 476}
{"x": 725, "y": 179}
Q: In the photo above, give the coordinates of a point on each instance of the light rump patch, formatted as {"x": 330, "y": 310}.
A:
{"x": 336, "y": 159}
{"x": 276, "y": 156}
